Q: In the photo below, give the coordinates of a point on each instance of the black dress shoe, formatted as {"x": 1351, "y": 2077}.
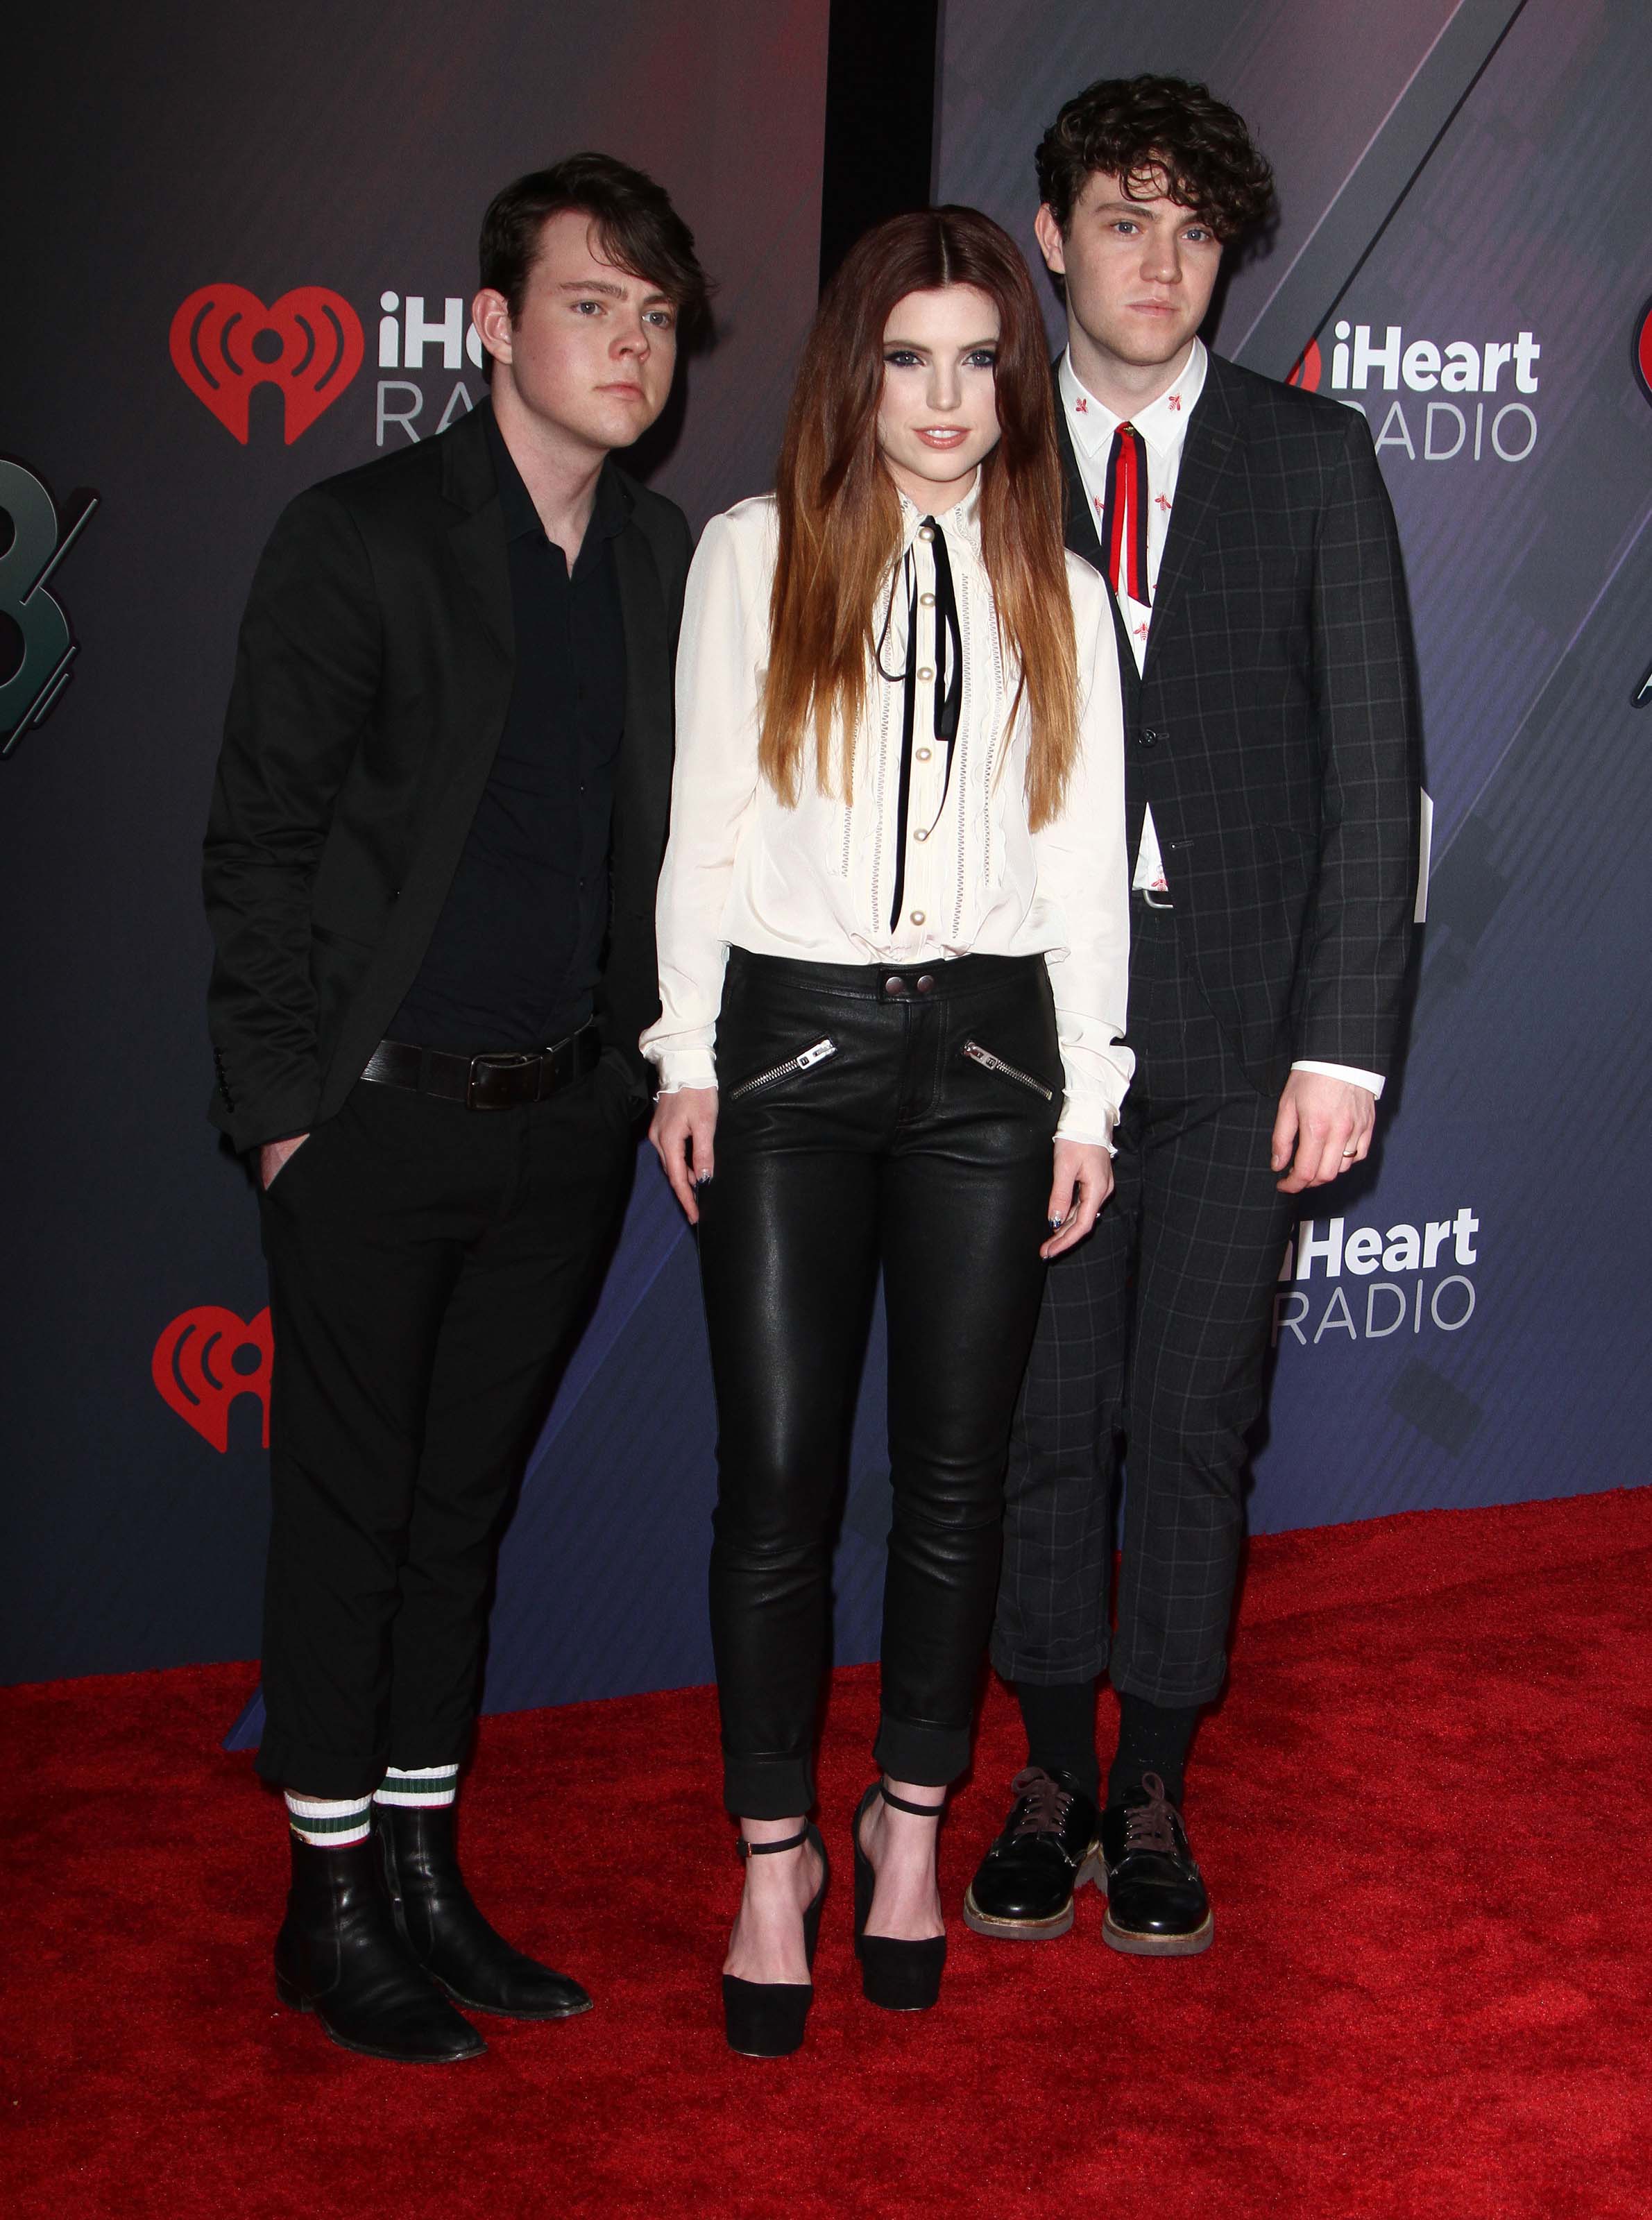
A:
{"x": 439, "y": 1921}
{"x": 1156, "y": 1903}
{"x": 1023, "y": 1887}
{"x": 339, "y": 1956}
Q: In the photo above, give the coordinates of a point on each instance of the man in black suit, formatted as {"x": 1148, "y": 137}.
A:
{"x": 1271, "y": 792}
{"x": 440, "y": 815}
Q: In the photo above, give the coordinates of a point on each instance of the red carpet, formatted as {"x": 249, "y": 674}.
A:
{"x": 1423, "y": 1812}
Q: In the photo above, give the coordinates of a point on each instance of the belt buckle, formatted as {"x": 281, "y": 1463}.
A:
{"x": 509, "y": 1067}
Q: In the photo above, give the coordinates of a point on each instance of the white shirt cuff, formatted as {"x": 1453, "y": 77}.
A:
{"x": 1371, "y": 1081}
{"x": 685, "y": 1067}
{"x": 1090, "y": 1122}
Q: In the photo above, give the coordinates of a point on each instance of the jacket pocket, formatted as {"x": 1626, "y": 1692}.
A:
{"x": 988, "y": 1062}
{"x": 804, "y": 1062}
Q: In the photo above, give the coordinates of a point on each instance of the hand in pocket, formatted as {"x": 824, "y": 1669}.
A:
{"x": 274, "y": 1154}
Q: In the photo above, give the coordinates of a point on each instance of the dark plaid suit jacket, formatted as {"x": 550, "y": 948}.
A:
{"x": 1275, "y": 729}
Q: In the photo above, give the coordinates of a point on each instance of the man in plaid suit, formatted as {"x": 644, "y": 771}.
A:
{"x": 1271, "y": 790}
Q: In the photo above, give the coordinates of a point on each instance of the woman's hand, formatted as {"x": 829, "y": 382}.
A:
{"x": 682, "y": 1130}
{"x": 1083, "y": 1183}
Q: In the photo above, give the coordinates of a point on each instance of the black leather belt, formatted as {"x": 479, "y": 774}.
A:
{"x": 486, "y": 1083}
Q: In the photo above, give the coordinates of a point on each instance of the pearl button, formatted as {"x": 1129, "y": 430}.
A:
{"x": 925, "y": 532}
{"x": 924, "y": 755}
{"x": 921, "y": 836}
{"x": 926, "y": 674}
{"x": 925, "y": 601}
{"x": 917, "y": 917}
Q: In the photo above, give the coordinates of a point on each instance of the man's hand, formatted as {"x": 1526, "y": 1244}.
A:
{"x": 1324, "y": 1125}
{"x": 1083, "y": 1183}
{"x": 274, "y": 1154}
{"x": 682, "y": 1130}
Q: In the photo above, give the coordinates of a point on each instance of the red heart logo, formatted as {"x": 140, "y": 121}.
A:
{"x": 224, "y": 341}
{"x": 1640, "y": 350}
{"x": 194, "y": 1367}
{"x": 1307, "y": 368}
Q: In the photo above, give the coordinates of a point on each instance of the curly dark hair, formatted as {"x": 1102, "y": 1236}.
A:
{"x": 1141, "y": 127}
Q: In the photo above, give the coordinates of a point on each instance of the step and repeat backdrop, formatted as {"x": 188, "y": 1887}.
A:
{"x": 192, "y": 189}
{"x": 1462, "y": 254}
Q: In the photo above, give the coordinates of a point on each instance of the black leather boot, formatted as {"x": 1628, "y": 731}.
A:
{"x": 339, "y": 1956}
{"x": 442, "y": 1928}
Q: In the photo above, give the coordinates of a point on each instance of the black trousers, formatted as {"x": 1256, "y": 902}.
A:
{"x": 1153, "y": 1331}
{"x": 427, "y": 1262}
{"x": 855, "y": 1128}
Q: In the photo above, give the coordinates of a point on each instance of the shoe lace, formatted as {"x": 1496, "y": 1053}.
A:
{"x": 1044, "y": 1807}
{"x": 1150, "y": 1826}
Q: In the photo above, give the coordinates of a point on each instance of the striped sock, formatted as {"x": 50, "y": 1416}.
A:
{"x": 329, "y": 1824}
{"x": 424, "y": 1786}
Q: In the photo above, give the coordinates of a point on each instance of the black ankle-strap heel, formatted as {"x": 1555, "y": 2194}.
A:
{"x": 901, "y": 1976}
{"x": 766, "y": 2019}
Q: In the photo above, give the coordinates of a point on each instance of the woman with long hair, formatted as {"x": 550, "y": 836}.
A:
{"x": 893, "y": 943}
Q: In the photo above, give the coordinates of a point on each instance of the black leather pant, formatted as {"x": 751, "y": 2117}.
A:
{"x": 868, "y": 1115}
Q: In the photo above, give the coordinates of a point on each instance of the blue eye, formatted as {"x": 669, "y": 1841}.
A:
{"x": 982, "y": 358}
{"x": 901, "y": 359}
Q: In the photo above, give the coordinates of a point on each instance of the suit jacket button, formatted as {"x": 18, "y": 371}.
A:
{"x": 1149, "y": 736}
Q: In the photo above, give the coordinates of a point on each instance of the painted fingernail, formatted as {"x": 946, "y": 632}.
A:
{"x": 1055, "y": 1224}
{"x": 703, "y": 1179}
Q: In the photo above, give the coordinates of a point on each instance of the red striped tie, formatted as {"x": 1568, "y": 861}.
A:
{"x": 1124, "y": 520}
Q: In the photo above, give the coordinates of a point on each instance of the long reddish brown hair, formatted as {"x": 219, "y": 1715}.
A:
{"x": 840, "y": 515}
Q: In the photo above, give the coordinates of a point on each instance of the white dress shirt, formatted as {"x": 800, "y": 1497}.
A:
{"x": 1163, "y": 426}
{"x": 816, "y": 881}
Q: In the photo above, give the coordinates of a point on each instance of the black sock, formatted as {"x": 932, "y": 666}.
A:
{"x": 1060, "y": 1725}
{"x": 1152, "y": 1738}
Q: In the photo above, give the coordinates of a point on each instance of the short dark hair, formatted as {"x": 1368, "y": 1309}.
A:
{"x": 636, "y": 225}
{"x": 1139, "y": 129}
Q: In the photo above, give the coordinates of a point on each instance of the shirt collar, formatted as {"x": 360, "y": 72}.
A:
{"x": 961, "y": 523}
{"x": 610, "y": 513}
{"x": 1163, "y": 423}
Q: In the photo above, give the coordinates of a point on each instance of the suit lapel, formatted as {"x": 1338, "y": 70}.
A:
{"x": 642, "y": 798}
{"x": 1207, "y": 480}
{"x": 1083, "y": 539}
{"x": 478, "y": 536}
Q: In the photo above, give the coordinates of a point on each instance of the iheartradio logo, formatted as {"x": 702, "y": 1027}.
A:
{"x": 224, "y": 341}
{"x": 1308, "y": 368}
{"x": 1641, "y": 349}
{"x": 207, "y": 1357}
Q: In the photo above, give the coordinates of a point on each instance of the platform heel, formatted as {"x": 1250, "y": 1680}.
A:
{"x": 897, "y": 1975}
{"x": 767, "y": 2019}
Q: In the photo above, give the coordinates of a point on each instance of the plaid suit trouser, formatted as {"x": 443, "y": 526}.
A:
{"x": 1154, "y": 1332}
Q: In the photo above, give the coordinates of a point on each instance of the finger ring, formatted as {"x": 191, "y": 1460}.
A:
{"x": 1354, "y": 1151}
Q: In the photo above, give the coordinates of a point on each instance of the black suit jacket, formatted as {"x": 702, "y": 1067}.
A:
{"x": 1275, "y": 729}
{"x": 372, "y": 679}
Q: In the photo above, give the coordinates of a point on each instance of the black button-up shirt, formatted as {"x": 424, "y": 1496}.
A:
{"x": 515, "y": 958}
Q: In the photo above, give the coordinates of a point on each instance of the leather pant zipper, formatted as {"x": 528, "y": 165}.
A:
{"x": 805, "y": 1062}
{"x": 974, "y": 1051}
